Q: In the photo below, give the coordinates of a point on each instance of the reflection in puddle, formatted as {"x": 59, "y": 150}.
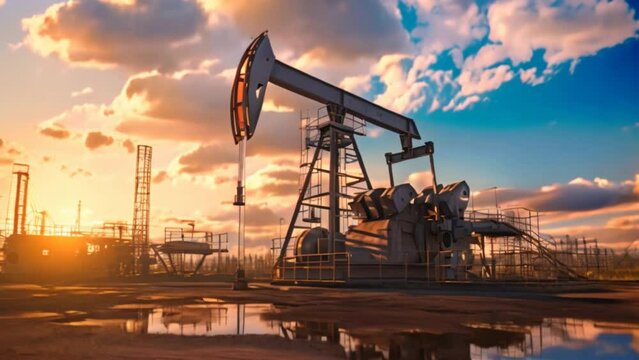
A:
{"x": 31, "y": 315}
{"x": 206, "y": 319}
{"x": 548, "y": 338}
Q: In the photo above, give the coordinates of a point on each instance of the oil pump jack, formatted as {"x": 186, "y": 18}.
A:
{"x": 397, "y": 226}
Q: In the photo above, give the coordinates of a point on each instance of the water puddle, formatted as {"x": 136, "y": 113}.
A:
{"x": 32, "y": 315}
{"x": 548, "y": 338}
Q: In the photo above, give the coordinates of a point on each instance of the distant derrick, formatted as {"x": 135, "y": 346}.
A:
{"x": 142, "y": 209}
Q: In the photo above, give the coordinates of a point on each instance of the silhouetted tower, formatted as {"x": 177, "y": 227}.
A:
{"x": 141, "y": 209}
{"x": 77, "y": 217}
{"x": 21, "y": 171}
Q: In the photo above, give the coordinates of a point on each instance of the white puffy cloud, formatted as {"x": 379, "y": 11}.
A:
{"x": 529, "y": 76}
{"x": 510, "y": 30}
{"x": 448, "y": 24}
{"x": 565, "y": 30}
{"x": 479, "y": 82}
{"x": 467, "y": 102}
{"x": 403, "y": 92}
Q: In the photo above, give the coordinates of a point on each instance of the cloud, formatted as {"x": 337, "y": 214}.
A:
{"x": 257, "y": 216}
{"x": 140, "y": 34}
{"x": 159, "y": 40}
{"x": 274, "y": 180}
{"x": 76, "y": 121}
{"x": 86, "y": 91}
{"x": 161, "y": 177}
{"x": 4, "y": 161}
{"x": 358, "y": 84}
{"x": 448, "y": 24}
{"x": 96, "y": 139}
{"x": 180, "y": 107}
{"x": 578, "y": 195}
{"x": 80, "y": 172}
{"x": 403, "y": 93}
{"x": 75, "y": 172}
{"x": 628, "y": 222}
{"x": 176, "y": 34}
{"x": 329, "y": 31}
{"x": 578, "y": 199}
{"x": 529, "y": 76}
{"x": 479, "y": 82}
{"x": 129, "y": 146}
{"x": 467, "y": 102}
{"x": 1, "y": 143}
{"x": 566, "y": 30}
{"x": 54, "y": 130}
{"x": 576, "y": 208}
{"x": 2, "y": 2}
{"x": 206, "y": 158}
{"x": 506, "y": 33}
{"x": 167, "y": 106}
{"x": 420, "y": 180}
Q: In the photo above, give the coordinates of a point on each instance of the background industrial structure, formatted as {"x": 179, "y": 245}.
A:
{"x": 33, "y": 248}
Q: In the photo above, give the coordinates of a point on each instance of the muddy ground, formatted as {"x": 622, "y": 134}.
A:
{"x": 36, "y": 318}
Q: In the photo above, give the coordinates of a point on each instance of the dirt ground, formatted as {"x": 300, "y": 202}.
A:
{"x": 35, "y": 318}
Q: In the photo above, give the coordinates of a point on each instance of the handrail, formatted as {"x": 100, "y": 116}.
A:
{"x": 302, "y": 267}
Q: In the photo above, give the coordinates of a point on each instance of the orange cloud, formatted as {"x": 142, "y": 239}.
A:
{"x": 54, "y": 130}
{"x": 274, "y": 180}
{"x": 206, "y": 158}
{"x": 96, "y": 139}
{"x": 160, "y": 177}
{"x": 164, "y": 35}
{"x": 129, "y": 146}
{"x": 579, "y": 195}
{"x": 627, "y": 222}
{"x": 420, "y": 180}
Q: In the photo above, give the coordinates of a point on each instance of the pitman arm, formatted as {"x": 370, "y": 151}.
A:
{"x": 258, "y": 67}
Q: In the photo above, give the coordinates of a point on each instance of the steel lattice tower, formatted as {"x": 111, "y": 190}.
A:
{"x": 21, "y": 171}
{"x": 142, "y": 209}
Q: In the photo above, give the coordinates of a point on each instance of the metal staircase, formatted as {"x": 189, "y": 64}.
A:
{"x": 546, "y": 254}
{"x": 523, "y": 225}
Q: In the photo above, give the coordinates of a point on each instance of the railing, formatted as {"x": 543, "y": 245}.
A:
{"x": 111, "y": 230}
{"x": 218, "y": 241}
{"x": 523, "y": 219}
{"x": 311, "y": 268}
{"x": 530, "y": 246}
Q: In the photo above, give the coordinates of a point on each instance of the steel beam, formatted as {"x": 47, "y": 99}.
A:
{"x": 299, "y": 82}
